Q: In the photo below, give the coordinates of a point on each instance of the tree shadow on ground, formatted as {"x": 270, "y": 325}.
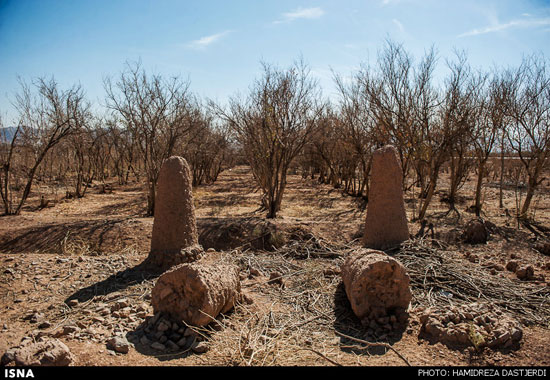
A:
{"x": 135, "y": 207}
{"x": 347, "y": 324}
{"x": 52, "y": 238}
{"x": 116, "y": 282}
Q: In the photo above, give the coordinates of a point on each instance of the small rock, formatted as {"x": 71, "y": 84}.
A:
{"x": 158, "y": 346}
{"x": 475, "y": 232}
{"x": 98, "y": 319}
{"x": 162, "y": 326}
{"x": 142, "y": 307}
{"x": 526, "y": 273}
{"x": 72, "y": 303}
{"x": 182, "y": 342}
{"x": 122, "y": 303}
{"x": 172, "y": 345}
{"x": 70, "y": 329}
{"x": 125, "y": 312}
{"x": 119, "y": 344}
{"x": 543, "y": 248}
{"x": 145, "y": 341}
{"x": 512, "y": 265}
{"x": 44, "y": 325}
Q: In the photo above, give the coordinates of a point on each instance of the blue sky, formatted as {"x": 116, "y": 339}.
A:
{"x": 219, "y": 44}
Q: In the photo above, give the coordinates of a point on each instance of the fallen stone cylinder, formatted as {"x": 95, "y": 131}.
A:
{"x": 376, "y": 285}
{"x": 197, "y": 292}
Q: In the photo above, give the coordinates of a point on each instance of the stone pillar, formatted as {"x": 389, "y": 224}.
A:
{"x": 386, "y": 223}
{"x": 174, "y": 240}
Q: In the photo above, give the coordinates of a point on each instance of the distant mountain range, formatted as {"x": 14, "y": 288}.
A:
{"x": 6, "y": 134}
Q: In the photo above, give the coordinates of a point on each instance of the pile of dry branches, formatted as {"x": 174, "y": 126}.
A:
{"x": 440, "y": 276}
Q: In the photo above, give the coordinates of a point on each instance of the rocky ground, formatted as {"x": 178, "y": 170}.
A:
{"x": 71, "y": 279}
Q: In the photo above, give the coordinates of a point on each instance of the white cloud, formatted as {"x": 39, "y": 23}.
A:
{"x": 498, "y": 27}
{"x": 301, "y": 13}
{"x": 398, "y": 24}
{"x": 203, "y": 42}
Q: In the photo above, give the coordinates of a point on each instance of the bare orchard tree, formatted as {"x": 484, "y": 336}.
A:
{"x": 492, "y": 121}
{"x": 122, "y": 150}
{"x": 358, "y": 126}
{"x": 435, "y": 127}
{"x": 462, "y": 121}
{"x": 273, "y": 124}
{"x": 46, "y": 117}
{"x": 389, "y": 91}
{"x": 7, "y": 149}
{"x": 156, "y": 111}
{"x": 84, "y": 145}
{"x": 206, "y": 152}
{"x": 529, "y": 131}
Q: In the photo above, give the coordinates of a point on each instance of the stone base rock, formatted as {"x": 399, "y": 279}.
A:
{"x": 197, "y": 292}
{"x": 377, "y": 286}
{"x": 46, "y": 352}
{"x": 475, "y": 232}
{"x": 477, "y": 325}
{"x": 543, "y": 248}
{"x": 164, "y": 260}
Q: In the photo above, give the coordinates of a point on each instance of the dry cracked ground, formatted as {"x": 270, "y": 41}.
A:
{"x": 71, "y": 272}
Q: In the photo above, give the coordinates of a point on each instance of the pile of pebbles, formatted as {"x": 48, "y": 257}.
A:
{"x": 162, "y": 334}
{"x": 383, "y": 325}
{"x": 478, "y": 325}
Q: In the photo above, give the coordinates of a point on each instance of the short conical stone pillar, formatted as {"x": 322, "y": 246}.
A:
{"x": 174, "y": 240}
{"x": 386, "y": 224}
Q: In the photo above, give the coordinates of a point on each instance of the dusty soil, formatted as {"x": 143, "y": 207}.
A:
{"x": 72, "y": 270}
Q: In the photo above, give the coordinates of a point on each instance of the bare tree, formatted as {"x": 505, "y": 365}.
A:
{"x": 529, "y": 130}
{"x": 389, "y": 92}
{"x": 492, "y": 121}
{"x": 158, "y": 113}
{"x": 273, "y": 124}
{"x": 7, "y": 148}
{"x": 462, "y": 122}
{"x": 46, "y": 118}
{"x": 358, "y": 126}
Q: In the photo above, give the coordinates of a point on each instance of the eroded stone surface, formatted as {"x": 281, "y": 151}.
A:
{"x": 386, "y": 223}
{"x": 377, "y": 285}
{"x": 45, "y": 352}
{"x": 197, "y": 292}
{"x": 174, "y": 239}
{"x": 478, "y": 325}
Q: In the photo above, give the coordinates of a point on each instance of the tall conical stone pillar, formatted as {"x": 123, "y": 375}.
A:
{"x": 386, "y": 223}
{"x": 174, "y": 240}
